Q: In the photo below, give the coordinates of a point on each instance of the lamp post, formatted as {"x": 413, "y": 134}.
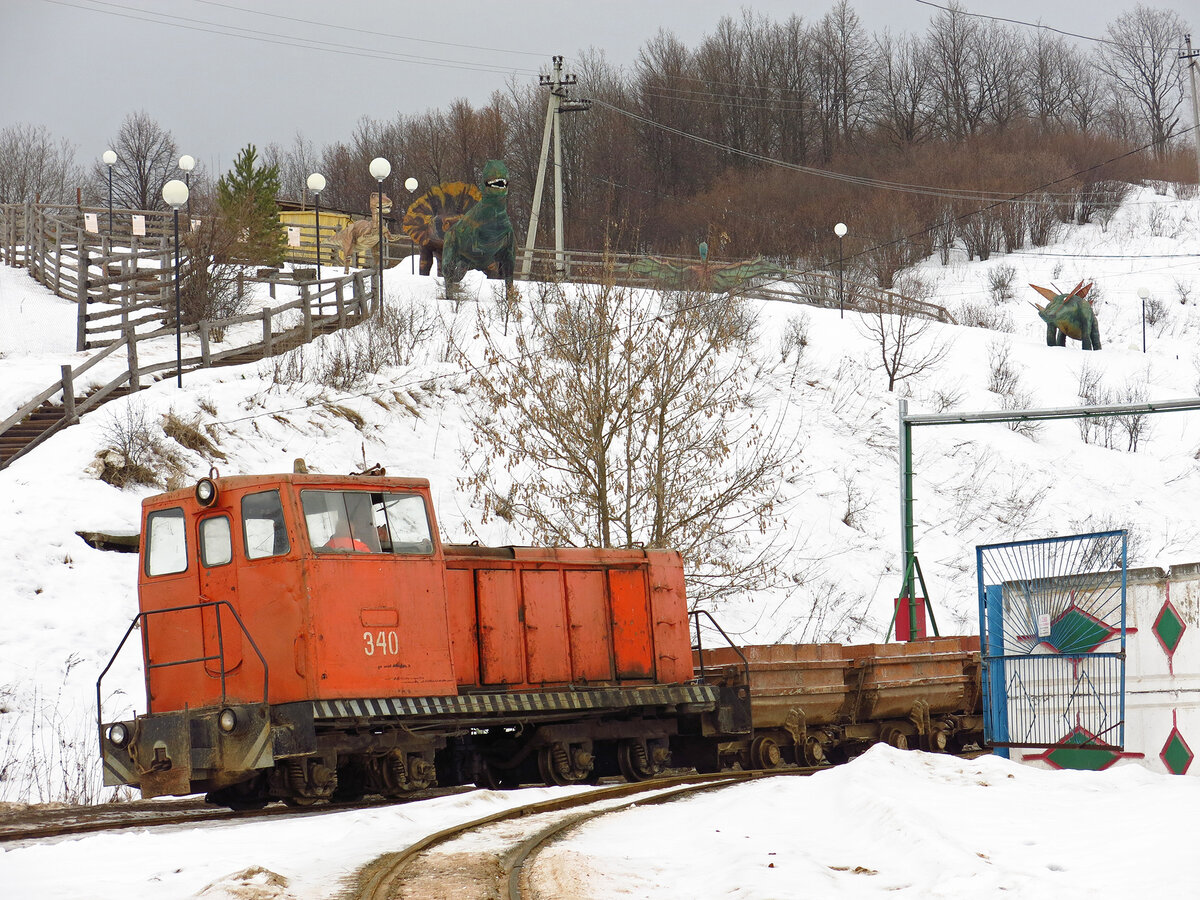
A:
{"x": 109, "y": 157}
{"x": 380, "y": 169}
{"x": 175, "y": 193}
{"x": 1144, "y": 293}
{"x": 187, "y": 163}
{"x": 840, "y": 230}
{"x": 316, "y": 184}
{"x": 410, "y": 185}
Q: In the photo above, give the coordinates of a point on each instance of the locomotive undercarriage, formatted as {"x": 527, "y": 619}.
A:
{"x": 362, "y": 748}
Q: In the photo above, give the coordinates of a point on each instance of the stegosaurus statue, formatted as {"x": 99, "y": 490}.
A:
{"x": 1069, "y": 315}
{"x": 434, "y": 213}
{"x": 484, "y": 234}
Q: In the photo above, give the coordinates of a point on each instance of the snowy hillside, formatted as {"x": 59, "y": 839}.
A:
{"x": 67, "y": 605}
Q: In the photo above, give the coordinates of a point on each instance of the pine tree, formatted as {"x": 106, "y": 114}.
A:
{"x": 246, "y": 197}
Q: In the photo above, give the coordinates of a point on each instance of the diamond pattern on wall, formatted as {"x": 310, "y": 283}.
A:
{"x": 1169, "y": 628}
{"x": 1176, "y": 755}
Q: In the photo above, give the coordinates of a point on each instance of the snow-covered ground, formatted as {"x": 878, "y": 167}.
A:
{"x": 889, "y": 824}
{"x": 66, "y": 605}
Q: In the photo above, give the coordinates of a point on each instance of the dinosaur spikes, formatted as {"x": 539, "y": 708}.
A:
{"x": 1075, "y": 290}
{"x": 1045, "y": 292}
{"x": 1084, "y": 292}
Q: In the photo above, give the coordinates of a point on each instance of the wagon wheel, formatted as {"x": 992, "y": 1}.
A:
{"x": 814, "y": 751}
{"x": 765, "y": 753}
{"x": 895, "y": 737}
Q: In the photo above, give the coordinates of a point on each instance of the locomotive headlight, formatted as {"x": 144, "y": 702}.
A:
{"x": 227, "y": 720}
{"x": 206, "y": 492}
{"x": 118, "y": 734}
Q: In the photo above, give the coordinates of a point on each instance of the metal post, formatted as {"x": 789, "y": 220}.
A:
{"x": 187, "y": 179}
{"x": 110, "y": 202}
{"x": 1143, "y": 324}
{"x": 317, "y": 207}
{"x": 178, "y": 333}
{"x": 379, "y": 281}
{"x": 841, "y": 287}
{"x": 907, "y": 555}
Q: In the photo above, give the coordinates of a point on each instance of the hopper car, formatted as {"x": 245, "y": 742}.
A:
{"x": 308, "y": 638}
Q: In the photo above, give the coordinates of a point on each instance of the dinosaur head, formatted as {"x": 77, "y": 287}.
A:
{"x": 387, "y": 203}
{"x": 495, "y": 179}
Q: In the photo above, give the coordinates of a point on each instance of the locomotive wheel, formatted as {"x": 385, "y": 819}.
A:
{"x": 491, "y": 777}
{"x": 635, "y": 762}
{"x": 245, "y": 795}
{"x": 765, "y": 753}
{"x": 563, "y": 764}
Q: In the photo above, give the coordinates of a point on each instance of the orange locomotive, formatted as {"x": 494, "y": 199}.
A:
{"x": 308, "y": 637}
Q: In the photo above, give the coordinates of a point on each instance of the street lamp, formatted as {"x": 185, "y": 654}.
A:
{"x": 410, "y": 185}
{"x": 840, "y": 230}
{"x": 1144, "y": 293}
{"x": 380, "y": 169}
{"x": 175, "y": 193}
{"x": 109, "y": 157}
{"x": 187, "y": 163}
{"x": 316, "y": 184}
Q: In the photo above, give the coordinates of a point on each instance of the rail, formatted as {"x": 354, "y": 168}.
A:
{"x": 142, "y": 619}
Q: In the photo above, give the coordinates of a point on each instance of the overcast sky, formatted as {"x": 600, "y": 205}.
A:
{"x": 219, "y": 75}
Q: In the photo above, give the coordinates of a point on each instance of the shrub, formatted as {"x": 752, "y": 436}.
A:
{"x": 133, "y": 453}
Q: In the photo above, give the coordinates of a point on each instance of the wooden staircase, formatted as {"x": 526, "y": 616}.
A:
{"x": 40, "y": 424}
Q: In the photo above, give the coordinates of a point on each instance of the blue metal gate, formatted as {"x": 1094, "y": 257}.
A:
{"x": 1052, "y": 640}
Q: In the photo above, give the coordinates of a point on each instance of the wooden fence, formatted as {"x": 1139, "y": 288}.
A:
{"x": 131, "y": 278}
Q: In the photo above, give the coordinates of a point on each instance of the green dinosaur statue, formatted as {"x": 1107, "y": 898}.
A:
{"x": 1069, "y": 316}
{"x": 484, "y": 234}
{"x": 719, "y": 277}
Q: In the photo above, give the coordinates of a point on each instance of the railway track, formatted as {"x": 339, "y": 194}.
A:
{"x": 433, "y": 869}
{"x": 40, "y": 823}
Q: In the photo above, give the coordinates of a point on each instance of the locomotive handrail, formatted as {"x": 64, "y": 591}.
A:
{"x": 695, "y": 614}
{"x": 145, "y": 614}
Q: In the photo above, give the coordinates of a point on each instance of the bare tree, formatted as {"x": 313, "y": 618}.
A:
{"x": 147, "y": 158}
{"x": 33, "y": 163}
{"x": 1142, "y": 63}
{"x": 903, "y": 90}
{"x": 624, "y": 420}
{"x": 295, "y": 164}
{"x": 901, "y": 336}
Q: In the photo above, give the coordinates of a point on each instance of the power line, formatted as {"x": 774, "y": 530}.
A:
{"x": 372, "y": 32}
{"x": 223, "y": 30}
{"x": 1038, "y": 25}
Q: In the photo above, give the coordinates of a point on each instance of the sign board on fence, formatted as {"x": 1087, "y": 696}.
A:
{"x": 91, "y": 223}
{"x": 293, "y": 236}
{"x": 195, "y": 224}
{"x": 139, "y": 226}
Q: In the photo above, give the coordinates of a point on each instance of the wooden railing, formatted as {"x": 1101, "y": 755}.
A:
{"x": 333, "y": 302}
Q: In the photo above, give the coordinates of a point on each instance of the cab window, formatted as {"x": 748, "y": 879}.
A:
{"x": 262, "y": 525}
{"x": 166, "y": 542}
{"x": 216, "y": 546}
{"x": 366, "y": 522}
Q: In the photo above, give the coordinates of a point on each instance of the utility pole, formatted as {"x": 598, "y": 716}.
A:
{"x": 559, "y": 102}
{"x": 1190, "y": 55}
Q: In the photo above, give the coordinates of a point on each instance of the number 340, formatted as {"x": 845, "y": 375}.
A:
{"x": 385, "y": 643}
